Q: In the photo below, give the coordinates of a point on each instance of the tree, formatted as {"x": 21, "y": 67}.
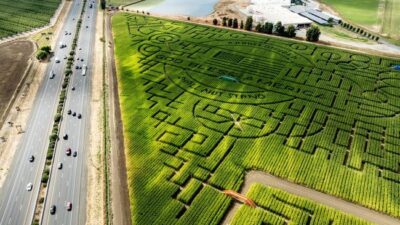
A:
{"x": 268, "y": 28}
{"x": 313, "y": 33}
{"x": 279, "y": 29}
{"x": 241, "y": 24}
{"x": 291, "y": 31}
{"x": 230, "y": 22}
{"x": 258, "y": 27}
{"x": 215, "y": 22}
{"x": 376, "y": 38}
{"x": 224, "y": 21}
{"x": 249, "y": 23}
{"x": 41, "y": 55}
{"x": 188, "y": 18}
{"x": 46, "y": 48}
{"x": 235, "y": 23}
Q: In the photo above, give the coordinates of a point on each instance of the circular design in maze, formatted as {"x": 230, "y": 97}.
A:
{"x": 298, "y": 46}
{"x": 330, "y": 56}
{"x": 164, "y": 38}
{"x": 221, "y": 77}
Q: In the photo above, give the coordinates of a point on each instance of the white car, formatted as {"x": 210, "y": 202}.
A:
{"x": 29, "y": 187}
{"x": 57, "y": 60}
{"x": 59, "y": 166}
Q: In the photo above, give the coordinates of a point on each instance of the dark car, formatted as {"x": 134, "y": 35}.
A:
{"x": 69, "y": 112}
{"x": 79, "y": 116}
{"x": 69, "y": 206}
{"x": 74, "y": 114}
{"x": 77, "y": 67}
{"x": 32, "y": 158}
{"x": 73, "y": 88}
{"x": 75, "y": 154}
{"x": 53, "y": 210}
{"x": 65, "y": 137}
{"x": 68, "y": 151}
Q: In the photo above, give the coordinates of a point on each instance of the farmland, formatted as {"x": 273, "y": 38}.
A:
{"x": 18, "y": 16}
{"x": 360, "y": 12}
{"x": 202, "y": 105}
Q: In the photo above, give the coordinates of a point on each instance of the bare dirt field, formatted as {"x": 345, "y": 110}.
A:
{"x": 15, "y": 59}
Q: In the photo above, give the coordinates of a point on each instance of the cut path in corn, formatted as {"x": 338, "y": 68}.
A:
{"x": 253, "y": 177}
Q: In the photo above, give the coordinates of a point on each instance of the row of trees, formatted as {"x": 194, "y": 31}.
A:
{"x": 358, "y": 31}
{"x": 277, "y": 29}
{"x": 313, "y": 32}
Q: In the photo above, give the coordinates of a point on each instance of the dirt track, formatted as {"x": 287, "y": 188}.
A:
{"x": 319, "y": 197}
{"x": 120, "y": 204}
{"x": 14, "y": 60}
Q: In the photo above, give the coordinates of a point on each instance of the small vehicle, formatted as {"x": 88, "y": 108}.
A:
{"x": 69, "y": 112}
{"x": 52, "y": 74}
{"x": 77, "y": 67}
{"x": 84, "y": 70}
{"x": 29, "y": 187}
{"x": 65, "y": 57}
{"x": 59, "y": 166}
{"x": 32, "y": 158}
{"x": 81, "y": 60}
{"x": 68, "y": 151}
{"x": 57, "y": 60}
{"x": 65, "y": 137}
{"x": 87, "y": 26}
{"x": 75, "y": 154}
{"x": 80, "y": 48}
{"x": 74, "y": 114}
{"x": 53, "y": 210}
{"x": 79, "y": 116}
{"x": 69, "y": 206}
{"x": 73, "y": 88}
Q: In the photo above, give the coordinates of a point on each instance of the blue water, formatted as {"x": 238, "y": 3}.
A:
{"x": 195, "y": 8}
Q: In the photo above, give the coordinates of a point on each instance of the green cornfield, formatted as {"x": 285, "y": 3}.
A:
{"x": 202, "y": 105}
{"x": 17, "y": 16}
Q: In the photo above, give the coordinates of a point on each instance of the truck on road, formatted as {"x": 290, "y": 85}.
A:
{"x": 84, "y": 68}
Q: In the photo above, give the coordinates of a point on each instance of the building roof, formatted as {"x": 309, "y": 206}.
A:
{"x": 274, "y": 14}
{"x": 314, "y": 18}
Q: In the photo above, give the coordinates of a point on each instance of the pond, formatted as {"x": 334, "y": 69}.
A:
{"x": 195, "y": 8}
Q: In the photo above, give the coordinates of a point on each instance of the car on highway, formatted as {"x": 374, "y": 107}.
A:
{"x": 32, "y": 158}
{"x": 74, "y": 114}
{"x": 69, "y": 112}
{"x": 69, "y": 206}
{"x": 79, "y": 116}
{"x": 68, "y": 151}
{"x": 53, "y": 210}
{"x": 75, "y": 154}
{"x": 65, "y": 137}
{"x": 73, "y": 88}
{"x": 52, "y": 74}
{"x": 29, "y": 187}
{"x": 57, "y": 60}
{"x": 60, "y": 165}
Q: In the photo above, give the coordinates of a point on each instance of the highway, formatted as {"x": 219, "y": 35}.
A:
{"x": 16, "y": 203}
{"x": 68, "y": 184}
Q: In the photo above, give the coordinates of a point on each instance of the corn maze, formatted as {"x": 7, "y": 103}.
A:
{"x": 201, "y": 106}
{"x": 18, "y": 16}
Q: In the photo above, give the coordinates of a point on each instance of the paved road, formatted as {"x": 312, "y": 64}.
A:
{"x": 16, "y": 203}
{"x": 319, "y": 197}
{"x": 69, "y": 183}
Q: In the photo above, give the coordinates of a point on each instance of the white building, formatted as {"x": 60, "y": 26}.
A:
{"x": 274, "y": 11}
